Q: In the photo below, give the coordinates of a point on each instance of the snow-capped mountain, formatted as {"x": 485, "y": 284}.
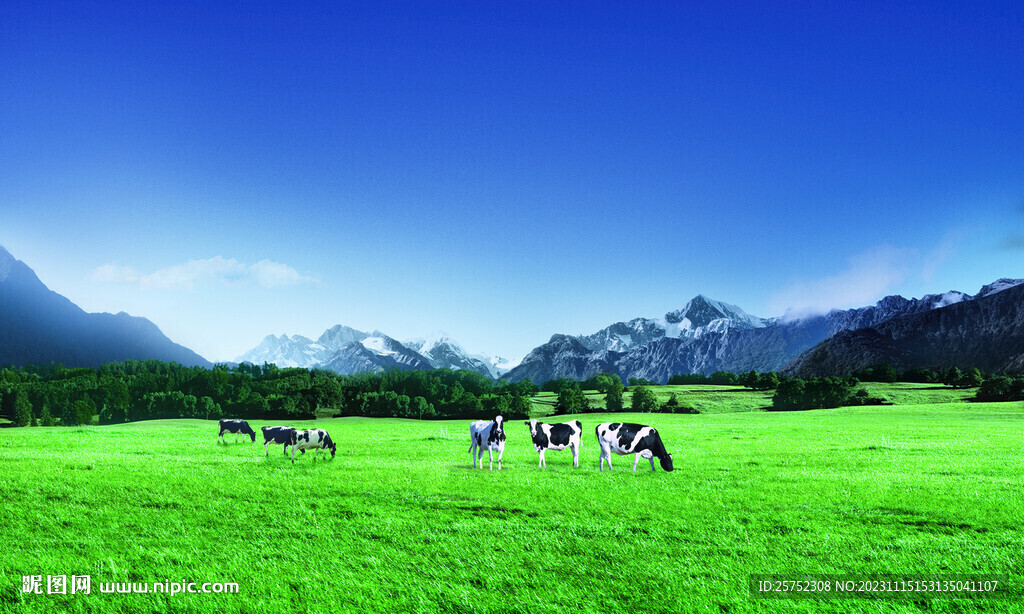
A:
{"x": 285, "y": 351}
{"x": 704, "y": 315}
{"x": 445, "y": 353}
{"x": 998, "y": 286}
{"x": 706, "y": 335}
{"x": 376, "y": 351}
{"x": 699, "y": 316}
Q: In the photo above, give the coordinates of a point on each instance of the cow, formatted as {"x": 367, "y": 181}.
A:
{"x": 311, "y": 438}
{"x": 629, "y": 438}
{"x": 556, "y": 437}
{"x": 277, "y": 435}
{"x": 490, "y": 435}
{"x": 238, "y": 427}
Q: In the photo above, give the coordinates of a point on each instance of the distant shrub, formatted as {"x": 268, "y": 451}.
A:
{"x": 643, "y": 400}
{"x": 675, "y": 409}
{"x": 819, "y": 393}
{"x": 1001, "y": 388}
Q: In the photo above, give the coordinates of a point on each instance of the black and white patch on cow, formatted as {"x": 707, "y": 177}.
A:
{"x": 238, "y": 427}
{"x": 312, "y": 438}
{"x": 556, "y": 437}
{"x": 276, "y": 435}
{"x": 629, "y": 438}
{"x": 487, "y": 435}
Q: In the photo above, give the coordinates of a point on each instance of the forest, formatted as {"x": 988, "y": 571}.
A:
{"x": 151, "y": 389}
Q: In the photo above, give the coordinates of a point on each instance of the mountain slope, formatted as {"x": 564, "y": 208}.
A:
{"x": 985, "y": 332}
{"x": 707, "y": 335}
{"x": 376, "y": 352}
{"x": 332, "y": 351}
{"x": 38, "y": 325}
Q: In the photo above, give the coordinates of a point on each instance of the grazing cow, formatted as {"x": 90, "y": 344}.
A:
{"x": 277, "y": 435}
{"x": 312, "y": 438}
{"x": 238, "y": 427}
{"x": 627, "y": 438}
{"x": 556, "y": 437}
{"x": 490, "y": 435}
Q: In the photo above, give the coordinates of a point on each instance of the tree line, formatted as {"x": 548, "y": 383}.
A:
{"x": 152, "y": 389}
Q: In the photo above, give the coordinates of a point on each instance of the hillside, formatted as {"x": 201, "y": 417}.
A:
{"x": 986, "y": 332}
{"x": 40, "y": 326}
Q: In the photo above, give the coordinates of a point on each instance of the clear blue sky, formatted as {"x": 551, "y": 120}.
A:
{"x": 505, "y": 171}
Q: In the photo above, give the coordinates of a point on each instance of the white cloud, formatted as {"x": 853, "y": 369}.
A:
{"x": 113, "y": 274}
{"x": 941, "y": 253}
{"x": 867, "y": 278}
{"x": 271, "y": 274}
{"x": 227, "y": 271}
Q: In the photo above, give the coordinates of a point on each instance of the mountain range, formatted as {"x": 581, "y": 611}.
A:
{"x": 40, "y": 326}
{"x": 705, "y": 336}
{"x": 937, "y": 331}
{"x": 346, "y": 350}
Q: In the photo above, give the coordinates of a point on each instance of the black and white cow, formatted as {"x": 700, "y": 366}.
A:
{"x": 556, "y": 437}
{"x": 277, "y": 435}
{"x": 312, "y": 438}
{"x": 489, "y": 435}
{"x": 238, "y": 427}
{"x": 629, "y": 438}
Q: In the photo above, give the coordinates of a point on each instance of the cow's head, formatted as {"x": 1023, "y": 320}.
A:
{"x": 330, "y": 445}
{"x": 666, "y": 462}
{"x": 499, "y": 428}
{"x": 246, "y": 429}
{"x": 533, "y": 427}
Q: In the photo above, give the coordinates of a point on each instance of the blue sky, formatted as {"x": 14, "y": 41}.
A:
{"x": 505, "y": 171}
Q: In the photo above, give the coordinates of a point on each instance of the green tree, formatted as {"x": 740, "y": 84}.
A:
{"x": 613, "y": 398}
{"x": 45, "y": 417}
{"x": 519, "y": 407}
{"x": 644, "y": 400}
{"x": 768, "y": 381}
{"x": 571, "y": 400}
{"x": 22, "y": 409}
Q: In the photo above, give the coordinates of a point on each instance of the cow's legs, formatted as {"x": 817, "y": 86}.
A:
{"x": 575, "y": 456}
{"x": 501, "y": 451}
{"x": 635, "y": 461}
{"x": 266, "y": 447}
{"x": 652, "y": 463}
{"x": 606, "y": 453}
{"x": 490, "y": 459}
{"x": 540, "y": 461}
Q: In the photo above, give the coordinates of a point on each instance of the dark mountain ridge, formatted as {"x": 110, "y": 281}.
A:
{"x": 40, "y": 326}
{"x": 985, "y": 332}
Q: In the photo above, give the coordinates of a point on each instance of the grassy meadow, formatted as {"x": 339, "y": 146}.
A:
{"x": 400, "y": 522}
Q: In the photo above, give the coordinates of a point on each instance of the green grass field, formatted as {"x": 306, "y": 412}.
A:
{"x": 399, "y": 522}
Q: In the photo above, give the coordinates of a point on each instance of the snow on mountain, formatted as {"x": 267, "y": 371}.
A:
{"x": 285, "y": 351}
{"x": 949, "y": 298}
{"x": 339, "y": 336}
{"x": 334, "y": 350}
{"x": 445, "y": 353}
{"x": 382, "y": 345}
{"x": 998, "y": 286}
{"x": 705, "y": 315}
